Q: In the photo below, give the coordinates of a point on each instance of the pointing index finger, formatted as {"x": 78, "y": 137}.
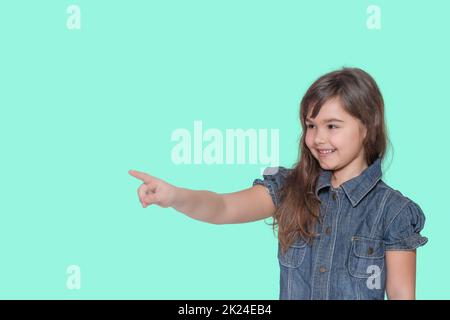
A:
{"x": 141, "y": 176}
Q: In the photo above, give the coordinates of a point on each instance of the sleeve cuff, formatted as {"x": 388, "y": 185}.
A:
{"x": 410, "y": 243}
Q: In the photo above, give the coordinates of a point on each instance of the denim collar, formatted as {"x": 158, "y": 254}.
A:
{"x": 357, "y": 187}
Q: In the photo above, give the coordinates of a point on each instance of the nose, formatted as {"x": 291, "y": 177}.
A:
{"x": 319, "y": 137}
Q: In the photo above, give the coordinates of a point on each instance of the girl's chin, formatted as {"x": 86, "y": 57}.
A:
{"x": 327, "y": 163}
{"x": 326, "y": 158}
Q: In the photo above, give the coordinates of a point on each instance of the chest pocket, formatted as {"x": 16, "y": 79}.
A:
{"x": 294, "y": 255}
{"x": 366, "y": 256}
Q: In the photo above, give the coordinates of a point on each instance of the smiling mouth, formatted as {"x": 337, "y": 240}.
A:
{"x": 326, "y": 152}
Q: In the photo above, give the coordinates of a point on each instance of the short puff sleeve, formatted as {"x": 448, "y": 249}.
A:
{"x": 273, "y": 180}
{"x": 403, "y": 232}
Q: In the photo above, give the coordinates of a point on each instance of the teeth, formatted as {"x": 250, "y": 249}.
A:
{"x": 326, "y": 151}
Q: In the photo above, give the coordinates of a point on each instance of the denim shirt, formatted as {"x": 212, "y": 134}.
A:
{"x": 362, "y": 219}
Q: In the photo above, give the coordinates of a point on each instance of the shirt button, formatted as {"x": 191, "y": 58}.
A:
{"x": 370, "y": 251}
{"x": 322, "y": 269}
{"x": 334, "y": 195}
{"x": 328, "y": 231}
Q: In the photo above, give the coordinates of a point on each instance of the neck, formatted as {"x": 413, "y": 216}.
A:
{"x": 349, "y": 171}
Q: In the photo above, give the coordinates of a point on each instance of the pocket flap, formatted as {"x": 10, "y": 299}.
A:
{"x": 294, "y": 255}
{"x": 368, "y": 248}
{"x": 365, "y": 257}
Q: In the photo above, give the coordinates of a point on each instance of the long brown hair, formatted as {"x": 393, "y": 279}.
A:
{"x": 360, "y": 96}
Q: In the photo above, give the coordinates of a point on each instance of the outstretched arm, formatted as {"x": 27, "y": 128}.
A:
{"x": 242, "y": 206}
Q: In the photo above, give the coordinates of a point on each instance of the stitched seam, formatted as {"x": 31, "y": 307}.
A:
{"x": 319, "y": 247}
{"x": 334, "y": 245}
{"x": 395, "y": 216}
{"x": 380, "y": 211}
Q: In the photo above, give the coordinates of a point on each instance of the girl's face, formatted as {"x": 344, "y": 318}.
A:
{"x": 336, "y": 130}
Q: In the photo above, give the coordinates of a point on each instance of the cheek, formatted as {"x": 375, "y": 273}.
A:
{"x": 338, "y": 141}
{"x": 309, "y": 140}
{"x": 341, "y": 139}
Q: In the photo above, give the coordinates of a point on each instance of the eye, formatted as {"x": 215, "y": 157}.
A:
{"x": 331, "y": 126}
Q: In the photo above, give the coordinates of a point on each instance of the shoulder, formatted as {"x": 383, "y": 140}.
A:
{"x": 395, "y": 202}
{"x": 273, "y": 180}
{"x": 277, "y": 171}
{"x": 274, "y": 176}
{"x": 402, "y": 219}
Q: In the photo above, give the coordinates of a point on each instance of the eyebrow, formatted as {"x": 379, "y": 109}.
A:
{"x": 326, "y": 120}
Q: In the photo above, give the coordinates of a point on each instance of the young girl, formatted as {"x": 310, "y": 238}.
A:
{"x": 343, "y": 232}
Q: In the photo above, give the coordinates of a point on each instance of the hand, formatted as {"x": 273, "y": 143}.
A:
{"x": 154, "y": 190}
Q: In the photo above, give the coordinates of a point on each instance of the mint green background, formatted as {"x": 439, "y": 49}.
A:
{"x": 78, "y": 109}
